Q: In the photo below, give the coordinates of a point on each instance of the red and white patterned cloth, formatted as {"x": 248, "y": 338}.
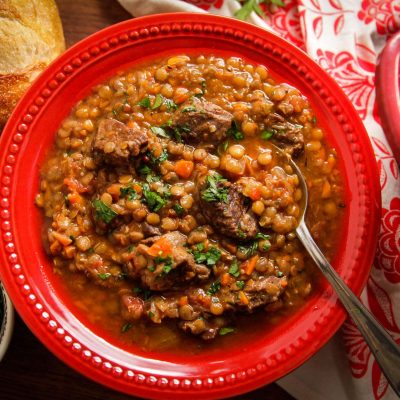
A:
{"x": 345, "y": 38}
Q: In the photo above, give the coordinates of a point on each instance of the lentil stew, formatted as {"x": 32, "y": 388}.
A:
{"x": 169, "y": 209}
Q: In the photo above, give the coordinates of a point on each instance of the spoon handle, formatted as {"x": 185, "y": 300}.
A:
{"x": 383, "y": 347}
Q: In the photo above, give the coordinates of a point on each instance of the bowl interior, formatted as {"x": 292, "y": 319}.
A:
{"x": 40, "y": 296}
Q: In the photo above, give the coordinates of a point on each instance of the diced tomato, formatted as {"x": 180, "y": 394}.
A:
{"x": 184, "y": 168}
{"x": 75, "y": 186}
{"x": 162, "y": 247}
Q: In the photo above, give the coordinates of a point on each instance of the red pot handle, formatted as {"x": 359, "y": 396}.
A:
{"x": 388, "y": 92}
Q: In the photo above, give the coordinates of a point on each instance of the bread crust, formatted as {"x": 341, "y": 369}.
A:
{"x": 31, "y": 37}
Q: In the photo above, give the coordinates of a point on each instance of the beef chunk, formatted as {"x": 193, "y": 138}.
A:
{"x": 225, "y": 208}
{"x": 150, "y": 230}
{"x": 206, "y": 328}
{"x": 201, "y": 121}
{"x": 166, "y": 271}
{"x": 286, "y": 135}
{"x": 114, "y": 143}
{"x": 262, "y": 291}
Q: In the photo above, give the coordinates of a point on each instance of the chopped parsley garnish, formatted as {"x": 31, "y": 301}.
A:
{"x": 157, "y": 101}
{"x": 240, "y": 284}
{"x": 235, "y": 132}
{"x": 178, "y": 209}
{"x": 280, "y": 274}
{"x": 170, "y": 104}
{"x": 214, "y": 288}
{"x": 263, "y": 236}
{"x": 167, "y": 261}
{"x": 152, "y": 268}
{"x": 203, "y": 90}
{"x": 153, "y": 199}
{"x": 126, "y": 327}
{"x": 266, "y": 135}
{"x": 189, "y": 109}
{"x": 150, "y": 314}
{"x": 314, "y": 120}
{"x": 225, "y": 145}
{"x": 157, "y": 160}
{"x": 248, "y": 250}
{"x": 103, "y": 211}
{"x": 150, "y": 176}
{"x": 104, "y": 277}
{"x": 159, "y": 131}
{"x": 131, "y": 248}
{"x": 216, "y": 189}
{"x": 226, "y": 330}
{"x": 234, "y": 269}
{"x": 145, "y": 102}
{"x": 128, "y": 192}
{"x": 209, "y": 258}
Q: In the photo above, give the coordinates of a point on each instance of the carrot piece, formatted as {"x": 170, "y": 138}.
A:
{"x": 63, "y": 239}
{"x": 162, "y": 247}
{"x": 243, "y": 298}
{"x": 74, "y": 198}
{"x": 284, "y": 283}
{"x": 183, "y": 301}
{"x": 184, "y": 168}
{"x": 130, "y": 124}
{"x": 225, "y": 279}
{"x": 251, "y": 264}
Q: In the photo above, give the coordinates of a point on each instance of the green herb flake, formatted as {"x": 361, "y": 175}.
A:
{"x": 170, "y": 105}
{"x": 314, "y": 120}
{"x": 214, "y": 288}
{"x": 126, "y": 327}
{"x": 128, "y": 192}
{"x": 235, "y": 132}
{"x": 234, "y": 269}
{"x": 158, "y": 101}
{"x": 103, "y": 211}
{"x": 159, "y": 132}
{"x": 266, "y": 135}
{"x": 145, "y": 102}
{"x": 189, "y": 109}
{"x": 150, "y": 314}
{"x": 225, "y": 145}
{"x": 131, "y": 248}
{"x": 216, "y": 191}
{"x": 209, "y": 258}
{"x": 203, "y": 90}
{"x": 226, "y": 330}
{"x": 280, "y": 274}
{"x": 154, "y": 200}
{"x": 104, "y": 277}
{"x": 248, "y": 250}
{"x": 240, "y": 284}
{"x": 263, "y": 236}
{"x": 178, "y": 209}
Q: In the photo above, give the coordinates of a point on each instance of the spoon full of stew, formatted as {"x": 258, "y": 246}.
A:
{"x": 383, "y": 347}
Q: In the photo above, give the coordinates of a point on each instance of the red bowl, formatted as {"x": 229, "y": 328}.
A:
{"x": 27, "y": 272}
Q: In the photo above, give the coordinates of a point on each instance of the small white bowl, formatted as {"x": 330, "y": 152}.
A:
{"x": 7, "y": 322}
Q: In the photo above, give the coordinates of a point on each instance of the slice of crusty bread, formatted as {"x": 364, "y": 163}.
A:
{"x": 31, "y": 37}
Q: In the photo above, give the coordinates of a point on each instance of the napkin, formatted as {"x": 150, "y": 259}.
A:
{"x": 344, "y": 37}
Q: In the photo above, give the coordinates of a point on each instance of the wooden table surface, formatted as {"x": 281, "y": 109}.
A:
{"x": 29, "y": 371}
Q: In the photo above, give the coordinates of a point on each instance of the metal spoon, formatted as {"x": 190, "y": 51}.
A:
{"x": 383, "y": 347}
